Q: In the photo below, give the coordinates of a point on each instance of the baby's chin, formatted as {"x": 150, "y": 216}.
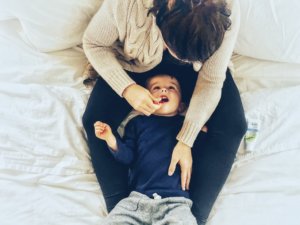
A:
{"x": 162, "y": 112}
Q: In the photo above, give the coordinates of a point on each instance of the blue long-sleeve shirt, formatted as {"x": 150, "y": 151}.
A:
{"x": 147, "y": 148}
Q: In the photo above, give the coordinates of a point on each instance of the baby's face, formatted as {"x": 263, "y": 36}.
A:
{"x": 168, "y": 90}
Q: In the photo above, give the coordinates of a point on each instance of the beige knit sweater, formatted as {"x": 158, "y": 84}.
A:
{"x": 121, "y": 36}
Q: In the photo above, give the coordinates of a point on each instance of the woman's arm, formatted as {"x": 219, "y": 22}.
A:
{"x": 107, "y": 28}
{"x": 207, "y": 92}
{"x": 104, "y": 30}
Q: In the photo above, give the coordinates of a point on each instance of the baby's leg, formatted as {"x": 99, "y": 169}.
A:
{"x": 178, "y": 213}
{"x": 126, "y": 212}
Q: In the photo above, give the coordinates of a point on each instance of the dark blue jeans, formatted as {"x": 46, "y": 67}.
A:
{"x": 213, "y": 152}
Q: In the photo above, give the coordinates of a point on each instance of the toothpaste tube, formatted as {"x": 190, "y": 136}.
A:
{"x": 251, "y": 134}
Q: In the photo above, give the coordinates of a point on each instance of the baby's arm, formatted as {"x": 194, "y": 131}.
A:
{"x": 123, "y": 151}
{"x": 103, "y": 132}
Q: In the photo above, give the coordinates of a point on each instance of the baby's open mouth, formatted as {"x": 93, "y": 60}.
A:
{"x": 163, "y": 99}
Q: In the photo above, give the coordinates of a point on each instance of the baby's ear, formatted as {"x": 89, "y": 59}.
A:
{"x": 182, "y": 108}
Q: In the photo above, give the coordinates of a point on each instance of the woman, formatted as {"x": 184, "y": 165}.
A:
{"x": 124, "y": 42}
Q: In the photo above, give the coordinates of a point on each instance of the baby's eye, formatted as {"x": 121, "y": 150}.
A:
{"x": 172, "y": 88}
{"x": 155, "y": 88}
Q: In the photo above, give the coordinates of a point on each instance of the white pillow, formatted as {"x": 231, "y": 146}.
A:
{"x": 252, "y": 74}
{"x": 270, "y": 30}
{"x": 51, "y": 25}
{"x": 20, "y": 63}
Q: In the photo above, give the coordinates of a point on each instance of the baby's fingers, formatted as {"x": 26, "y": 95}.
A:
{"x": 99, "y": 124}
{"x": 99, "y": 129}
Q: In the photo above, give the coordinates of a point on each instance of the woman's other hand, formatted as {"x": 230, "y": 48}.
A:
{"x": 182, "y": 154}
{"x": 141, "y": 99}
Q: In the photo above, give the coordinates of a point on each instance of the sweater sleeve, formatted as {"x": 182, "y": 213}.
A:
{"x": 125, "y": 152}
{"x": 207, "y": 92}
{"x": 98, "y": 40}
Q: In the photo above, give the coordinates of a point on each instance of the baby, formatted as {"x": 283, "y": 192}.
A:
{"x": 147, "y": 148}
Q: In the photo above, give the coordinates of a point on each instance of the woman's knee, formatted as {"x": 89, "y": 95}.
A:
{"x": 239, "y": 126}
{"x": 229, "y": 115}
{"x": 229, "y": 126}
{"x": 235, "y": 130}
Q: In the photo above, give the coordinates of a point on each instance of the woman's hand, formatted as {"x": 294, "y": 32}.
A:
{"x": 141, "y": 99}
{"x": 182, "y": 154}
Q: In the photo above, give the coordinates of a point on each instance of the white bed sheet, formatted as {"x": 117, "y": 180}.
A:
{"x": 261, "y": 191}
{"x": 46, "y": 176}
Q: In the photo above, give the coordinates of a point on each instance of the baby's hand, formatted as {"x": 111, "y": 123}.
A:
{"x": 102, "y": 130}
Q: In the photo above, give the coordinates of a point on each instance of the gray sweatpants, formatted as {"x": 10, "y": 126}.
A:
{"x": 139, "y": 209}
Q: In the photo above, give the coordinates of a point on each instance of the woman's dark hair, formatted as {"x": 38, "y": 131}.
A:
{"x": 192, "y": 29}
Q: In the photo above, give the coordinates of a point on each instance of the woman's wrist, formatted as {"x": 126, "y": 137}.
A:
{"x": 184, "y": 145}
{"x": 188, "y": 133}
{"x": 127, "y": 89}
